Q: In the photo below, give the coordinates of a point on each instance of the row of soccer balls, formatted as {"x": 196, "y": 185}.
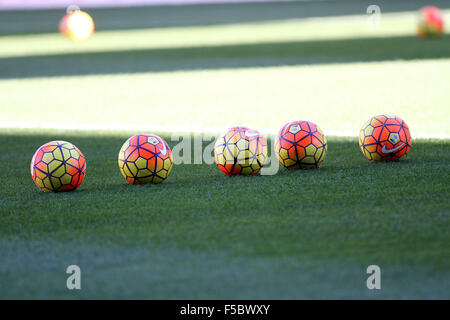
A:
{"x": 147, "y": 158}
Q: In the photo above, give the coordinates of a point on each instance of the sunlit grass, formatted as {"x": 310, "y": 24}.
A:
{"x": 330, "y": 28}
{"x": 338, "y": 97}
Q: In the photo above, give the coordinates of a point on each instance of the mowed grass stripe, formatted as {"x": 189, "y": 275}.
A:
{"x": 291, "y": 30}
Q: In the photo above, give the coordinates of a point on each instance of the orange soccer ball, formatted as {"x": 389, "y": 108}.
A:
{"x": 58, "y": 166}
{"x": 300, "y": 144}
{"x": 385, "y": 138}
{"x": 145, "y": 158}
{"x": 431, "y": 22}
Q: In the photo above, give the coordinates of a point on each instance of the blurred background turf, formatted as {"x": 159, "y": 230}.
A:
{"x": 334, "y": 71}
{"x": 44, "y": 21}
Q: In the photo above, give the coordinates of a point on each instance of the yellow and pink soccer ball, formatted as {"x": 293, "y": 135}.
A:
{"x": 145, "y": 158}
{"x": 58, "y": 166}
{"x": 300, "y": 145}
{"x": 240, "y": 151}
{"x": 431, "y": 22}
{"x": 385, "y": 138}
{"x": 77, "y": 25}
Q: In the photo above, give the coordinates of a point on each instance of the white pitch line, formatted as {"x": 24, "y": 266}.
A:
{"x": 172, "y": 129}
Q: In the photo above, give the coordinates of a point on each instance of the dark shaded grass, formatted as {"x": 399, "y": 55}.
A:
{"x": 36, "y": 269}
{"x": 44, "y": 21}
{"x": 226, "y": 56}
{"x": 350, "y": 209}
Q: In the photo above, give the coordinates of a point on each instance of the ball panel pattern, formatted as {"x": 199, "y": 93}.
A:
{"x": 385, "y": 138}
{"x": 58, "y": 166}
{"x": 145, "y": 158}
{"x": 300, "y": 144}
{"x": 241, "y": 151}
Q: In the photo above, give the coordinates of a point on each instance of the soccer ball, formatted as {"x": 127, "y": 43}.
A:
{"x": 58, "y": 166}
{"x": 385, "y": 138}
{"x": 431, "y": 22}
{"x": 300, "y": 144}
{"x": 145, "y": 158}
{"x": 77, "y": 25}
{"x": 241, "y": 151}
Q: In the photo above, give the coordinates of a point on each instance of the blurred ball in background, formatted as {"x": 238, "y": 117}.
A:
{"x": 431, "y": 22}
{"x": 77, "y": 25}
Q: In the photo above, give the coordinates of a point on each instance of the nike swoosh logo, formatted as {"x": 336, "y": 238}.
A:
{"x": 251, "y": 134}
{"x": 164, "y": 150}
{"x": 384, "y": 150}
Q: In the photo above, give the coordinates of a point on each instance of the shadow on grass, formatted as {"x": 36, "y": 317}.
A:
{"x": 44, "y": 21}
{"x": 226, "y": 56}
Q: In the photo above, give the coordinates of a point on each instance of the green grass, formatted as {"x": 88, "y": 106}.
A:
{"x": 343, "y": 217}
{"x": 299, "y": 234}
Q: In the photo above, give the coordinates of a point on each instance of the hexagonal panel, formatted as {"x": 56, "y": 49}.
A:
{"x": 292, "y": 153}
{"x": 309, "y": 160}
{"x": 255, "y": 166}
{"x": 127, "y": 171}
{"x": 40, "y": 174}
{"x": 168, "y": 163}
{"x": 310, "y": 150}
{"x": 394, "y": 138}
{"x": 53, "y": 165}
{"x": 74, "y": 153}
{"x": 246, "y": 170}
{"x": 141, "y": 163}
{"x": 132, "y": 169}
{"x": 158, "y": 165}
{"x": 375, "y": 156}
{"x": 289, "y": 162}
{"x": 261, "y": 158}
{"x": 42, "y": 166}
{"x": 66, "y": 178}
{"x": 320, "y": 154}
{"x": 294, "y": 128}
{"x": 56, "y": 183}
{"x": 244, "y": 158}
{"x": 242, "y": 144}
{"x": 231, "y": 151}
{"x": 57, "y": 154}
{"x": 39, "y": 183}
{"x": 59, "y": 172}
{"x": 157, "y": 179}
{"x": 144, "y": 173}
{"x": 153, "y": 140}
{"x": 47, "y": 157}
{"x": 163, "y": 174}
{"x": 368, "y": 130}
{"x": 47, "y": 183}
